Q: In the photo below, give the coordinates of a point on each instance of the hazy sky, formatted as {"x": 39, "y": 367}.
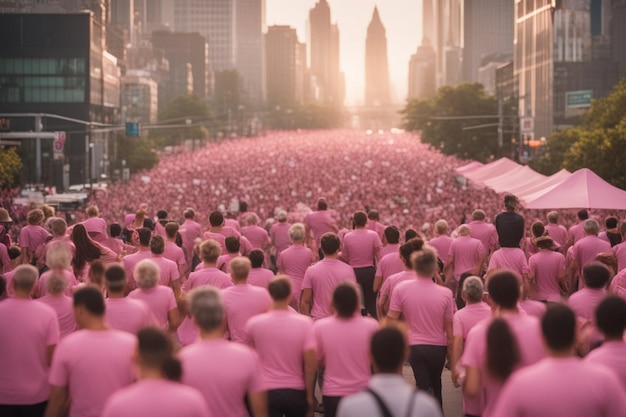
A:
{"x": 402, "y": 19}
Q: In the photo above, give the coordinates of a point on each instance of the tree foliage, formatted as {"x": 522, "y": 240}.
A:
{"x": 451, "y": 136}
{"x": 178, "y": 111}
{"x": 10, "y": 168}
{"x": 138, "y": 153}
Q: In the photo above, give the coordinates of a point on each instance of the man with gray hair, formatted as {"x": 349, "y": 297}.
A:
{"x": 442, "y": 242}
{"x": 295, "y": 260}
{"x": 58, "y": 227}
{"x": 584, "y": 252}
{"x": 223, "y": 387}
{"x": 466, "y": 255}
{"x": 279, "y": 234}
{"x": 29, "y": 332}
{"x": 242, "y": 301}
{"x": 557, "y": 232}
{"x": 483, "y": 231}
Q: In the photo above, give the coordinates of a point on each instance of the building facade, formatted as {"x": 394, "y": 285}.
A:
{"x": 281, "y": 46}
{"x": 140, "y": 97}
{"x": 376, "y": 64}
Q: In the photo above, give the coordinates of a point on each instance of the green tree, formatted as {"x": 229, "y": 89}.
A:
{"x": 553, "y": 153}
{"x": 137, "y": 152}
{"x": 10, "y": 168}
{"x": 451, "y": 136}
{"x": 180, "y": 110}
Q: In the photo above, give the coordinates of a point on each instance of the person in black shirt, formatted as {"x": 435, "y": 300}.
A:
{"x": 509, "y": 224}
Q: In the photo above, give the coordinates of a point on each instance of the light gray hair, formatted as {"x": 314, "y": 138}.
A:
{"x": 206, "y": 307}
{"x": 473, "y": 289}
{"x": 297, "y": 232}
{"x": 57, "y": 283}
{"x": 147, "y": 274}
{"x": 591, "y": 227}
{"x": 25, "y": 277}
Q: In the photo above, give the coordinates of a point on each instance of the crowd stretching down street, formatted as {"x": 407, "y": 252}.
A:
{"x": 297, "y": 273}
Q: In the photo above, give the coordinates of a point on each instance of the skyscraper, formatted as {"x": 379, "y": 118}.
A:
{"x": 376, "y": 65}
{"x": 250, "y": 48}
{"x": 324, "y": 54}
{"x": 423, "y": 64}
{"x": 618, "y": 34}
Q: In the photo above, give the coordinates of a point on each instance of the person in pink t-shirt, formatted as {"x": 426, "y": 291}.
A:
{"x": 360, "y": 249}
{"x": 428, "y": 310}
{"x": 124, "y": 313}
{"x": 233, "y": 246}
{"x": 509, "y": 258}
{"x": 58, "y": 259}
{"x": 96, "y": 226}
{"x": 87, "y": 251}
{"x": 159, "y": 298}
{"x": 60, "y": 303}
{"x": 373, "y": 223}
{"x": 32, "y": 236}
{"x": 611, "y": 321}
{"x": 209, "y": 274}
{"x": 279, "y": 233}
{"x": 321, "y": 279}
{"x": 512, "y": 328}
{"x": 466, "y": 254}
{"x": 483, "y": 231}
{"x": 158, "y": 392}
{"x": 259, "y": 276}
{"x": 242, "y": 301}
{"x": 288, "y": 358}
{"x": 223, "y": 387}
{"x": 295, "y": 260}
{"x": 29, "y": 331}
{"x": 130, "y": 261}
{"x": 172, "y": 251}
{"x": 585, "y": 301}
{"x": 58, "y": 227}
{"x": 258, "y": 237}
{"x": 556, "y": 231}
{"x": 343, "y": 347}
{"x": 576, "y": 232}
{"x": 546, "y": 274}
{"x": 90, "y": 364}
{"x": 318, "y": 223}
{"x": 168, "y": 270}
{"x": 190, "y": 231}
{"x": 586, "y": 250}
{"x": 388, "y": 265}
{"x": 391, "y": 242}
{"x": 562, "y": 384}
{"x": 619, "y": 250}
{"x": 465, "y": 319}
{"x": 442, "y": 242}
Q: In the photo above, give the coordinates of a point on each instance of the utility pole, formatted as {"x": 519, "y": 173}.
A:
{"x": 38, "y": 128}
{"x": 500, "y": 124}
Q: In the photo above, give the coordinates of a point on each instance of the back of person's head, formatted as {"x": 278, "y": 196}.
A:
{"x": 157, "y": 245}
{"x": 459, "y": 288}
{"x": 58, "y": 226}
{"x": 115, "y": 230}
{"x": 392, "y": 234}
{"x": 464, "y": 230}
{"x": 503, "y": 353}
{"x": 410, "y": 234}
{"x": 596, "y": 275}
{"x": 478, "y": 215}
{"x": 252, "y": 219}
{"x": 35, "y": 217}
{"x": 591, "y": 227}
{"x": 115, "y": 278}
{"x": 216, "y": 219}
{"x": 232, "y": 244}
{"x": 360, "y": 219}
{"x": 425, "y": 262}
{"x": 504, "y": 288}
{"x": 58, "y": 255}
{"x": 558, "y": 326}
{"x": 156, "y": 351}
{"x": 544, "y": 242}
{"x": 240, "y": 268}
{"x": 582, "y": 214}
{"x": 510, "y": 202}
{"x": 389, "y": 349}
{"x": 206, "y": 308}
{"x": 537, "y": 229}
{"x": 611, "y": 317}
{"x": 345, "y": 300}
{"x": 91, "y": 299}
{"x": 189, "y": 213}
{"x": 330, "y": 243}
{"x": 257, "y": 258}
{"x": 161, "y": 214}
{"x": 322, "y": 204}
{"x": 24, "y": 278}
{"x": 144, "y": 236}
{"x": 92, "y": 211}
{"x": 297, "y": 232}
{"x": 553, "y": 217}
{"x": 210, "y": 250}
{"x": 281, "y": 216}
{"x": 243, "y": 207}
{"x": 57, "y": 283}
{"x": 611, "y": 222}
{"x": 441, "y": 226}
{"x": 14, "y": 252}
{"x": 373, "y": 215}
{"x": 146, "y": 274}
{"x": 473, "y": 289}
{"x": 280, "y": 288}
{"x": 96, "y": 272}
{"x": 171, "y": 228}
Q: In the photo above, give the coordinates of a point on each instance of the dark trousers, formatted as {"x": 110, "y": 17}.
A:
{"x": 330, "y": 405}
{"x": 287, "y": 402}
{"x": 427, "y": 362}
{"x": 31, "y": 410}
{"x": 365, "y": 278}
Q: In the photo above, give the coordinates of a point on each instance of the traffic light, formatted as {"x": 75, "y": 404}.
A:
{"x": 5, "y": 125}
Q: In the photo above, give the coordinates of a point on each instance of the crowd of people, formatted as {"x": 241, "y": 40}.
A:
{"x": 207, "y": 287}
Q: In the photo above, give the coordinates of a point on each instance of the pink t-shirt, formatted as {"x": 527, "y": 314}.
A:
{"x": 32, "y": 237}
{"x": 587, "y": 248}
{"x": 619, "y": 251}
{"x": 279, "y": 233}
{"x": 360, "y": 248}
{"x": 27, "y": 328}
{"x": 426, "y": 307}
{"x": 241, "y": 302}
{"x": 485, "y": 232}
{"x": 392, "y": 282}
{"x": 389, "y": 264}
{"x": 8, "y": 278}
{"x": 260, "y": 277}
{"x": 131, "y": 261}
{"x": 189, "y": 231}
{"x": 546, "y": 266}
{"x": 442, "y": 246}
{"x": 159, "y": 299}
{"x": 577, "y": 232}
{"x": 168, "y": 270}
{"x": 232, "y": 223}
{"x": 388, "y": 248}
{"x": 611, "y": 354}
{"x": 217, "y": 237}
{"x": 223, "y": 262}
{"x": 509, "y": 258}
{"x": 532, "y": 307}
{"x": 320, "y": 222}
{"x": 42, "y": 283}
{"x": 377, "y": 227}
{"x": 63, "y": 306}
{"x": 156, "y": 398}
{"x": 114, "y": 244}
{"x": 343, "y": 346}
{"x": 281, "y": 352}
{"x": 174, "y": 253}
{"x": 527, "y": 331}
{"x": 5, "y": 260}
{"x": 258, "y": 237}
{"x": 42, "y": 252}
{"x": 617, "y": 286}
{"x": 208, "y": 276}
{"x": 97, "y": 228}
{"x": 562, "y": 387}
{"x": 466, "y": 251}
{"x": 93, "y": 364}
{"x": 557, "y": 232}
{"x": 322, "y": 278}
{"x": 585, "y": 301}
{"x": 294, "y": 262}
{"x": 234, "y": 369}
{"x": 127, "y": 314}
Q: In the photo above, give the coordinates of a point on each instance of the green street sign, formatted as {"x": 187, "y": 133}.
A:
{"x": 577, "y": 99}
